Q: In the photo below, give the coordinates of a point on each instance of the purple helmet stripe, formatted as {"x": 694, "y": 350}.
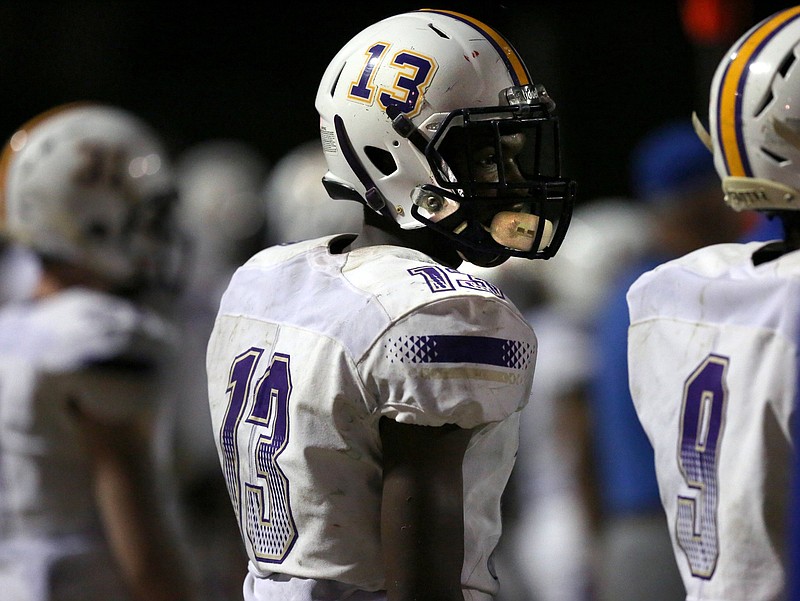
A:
{"x": 514, "y": 65}
{"x": 730, "y": 93}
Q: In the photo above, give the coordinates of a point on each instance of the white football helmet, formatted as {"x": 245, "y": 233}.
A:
{"x": 297, "y": 202}
{"x": 220, "y": 206}
{"x": 754, "y": 116}
{"x": 409, "y": 110}
{"x": 607, "y": 236}
{"x": 90, "y": 185}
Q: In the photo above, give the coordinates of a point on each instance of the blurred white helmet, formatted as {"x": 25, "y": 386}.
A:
{"x": 518, "y": 279}
{"x": 605, "y": 237}
{"x": 90, "y": 185}
{"x": 409, "y": 110}
{"x": 754, "y": 116}
{"x": 299, "y": 208}
{"x": 220, "y": 205}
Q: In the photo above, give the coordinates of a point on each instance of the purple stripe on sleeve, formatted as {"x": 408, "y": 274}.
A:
{"x": 481, "y": 350}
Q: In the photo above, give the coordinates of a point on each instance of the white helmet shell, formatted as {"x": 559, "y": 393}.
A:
{"x": 754, "y": 116}
{"x": 86, "y": 184}
{"x": 389, "y": 98}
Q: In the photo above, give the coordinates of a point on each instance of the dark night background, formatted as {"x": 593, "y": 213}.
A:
{"x": 250, "y": 70}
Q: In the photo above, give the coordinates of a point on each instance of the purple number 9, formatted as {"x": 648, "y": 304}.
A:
{"x": 702, "y": 421}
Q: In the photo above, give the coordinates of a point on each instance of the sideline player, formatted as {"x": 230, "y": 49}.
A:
{"x": 89, "y": 189}
{"x": 299, "y": 207}
{"x": 365, "y": 395}
{"x": 713, "y": 339}
{"x": 221, "y": 214}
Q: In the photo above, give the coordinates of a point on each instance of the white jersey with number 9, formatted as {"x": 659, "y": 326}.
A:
{"x": 713, "y": 357}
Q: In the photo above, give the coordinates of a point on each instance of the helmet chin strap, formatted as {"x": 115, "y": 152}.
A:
{"x": 481, "y": 259}
{"x": 403, "y": 126}
{"x": 373, "y": 197}
{"x": 472, "y": 235}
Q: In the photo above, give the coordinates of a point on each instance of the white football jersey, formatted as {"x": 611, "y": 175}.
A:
{"x": 309, "y": 350}
{"x": 20, "y": 271}
{"x": 713, "y": 363}
{"x": 78, "y": 348}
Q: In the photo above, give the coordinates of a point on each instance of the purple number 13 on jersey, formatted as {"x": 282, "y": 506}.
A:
{"x": 258, "y": 487}
{"x": 702, "y": 421}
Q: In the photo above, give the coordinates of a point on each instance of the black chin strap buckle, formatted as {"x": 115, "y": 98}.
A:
{"x": 403, "y": 126}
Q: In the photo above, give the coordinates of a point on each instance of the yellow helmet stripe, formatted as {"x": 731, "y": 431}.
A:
{"x": 731, "y": 92}
{"x": 510, "y": 56}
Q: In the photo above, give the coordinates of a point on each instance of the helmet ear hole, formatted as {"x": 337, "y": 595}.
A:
{"x": 97, "y": 231}
{"x": 787, "y": 62}
{"x": 765, "y": 102}
{"x": 381, "y": 159}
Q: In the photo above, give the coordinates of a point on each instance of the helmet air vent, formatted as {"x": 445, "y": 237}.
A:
{"x": 786, "y": 63}
{"x": 775, "y": 157}
{"x": 439, "y": 32}
{"x": 765, "y": 102}
{"x": 381, "y": 159}
{"x": 97, "y": 231}
{"x": 336, "y": 81}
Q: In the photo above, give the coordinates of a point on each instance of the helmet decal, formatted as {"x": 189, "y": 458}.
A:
{"x": 414, "y": 73}
{"x": 362, "y": 90}
{"x": 729, "y": 116}
{"x": 510, "y": 56}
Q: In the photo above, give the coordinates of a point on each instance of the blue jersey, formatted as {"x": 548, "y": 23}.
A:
{"x": 627, "y": 478}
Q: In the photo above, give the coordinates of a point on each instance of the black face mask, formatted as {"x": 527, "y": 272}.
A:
{"x": 492, "y": 160}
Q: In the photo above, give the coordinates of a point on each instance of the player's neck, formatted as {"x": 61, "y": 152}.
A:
{"x": 422, "y": 239}
{"x": 791, "y": 229}
{"x": 56, "y": 277}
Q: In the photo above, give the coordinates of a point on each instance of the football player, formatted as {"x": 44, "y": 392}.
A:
{"x": 89, "y": 189}
{"x": 294, "y": 188}
{"x": 713, "y": 341}
{"x": 221, "y": 212}
{"x": 365, "y": 395}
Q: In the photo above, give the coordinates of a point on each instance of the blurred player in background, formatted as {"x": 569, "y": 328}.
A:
{"x": 20, "y": 271}
{"x": 713, "y": 342}
{"x": 556, "y": 480}
{"x": 673, "y": 175}
{"x": 299, "y": 208}
{"x": 89, "y": 188}
{"x": 221, "y": 212}
{"x": 365, "y": 394}
{"x": 550, "y": 509}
